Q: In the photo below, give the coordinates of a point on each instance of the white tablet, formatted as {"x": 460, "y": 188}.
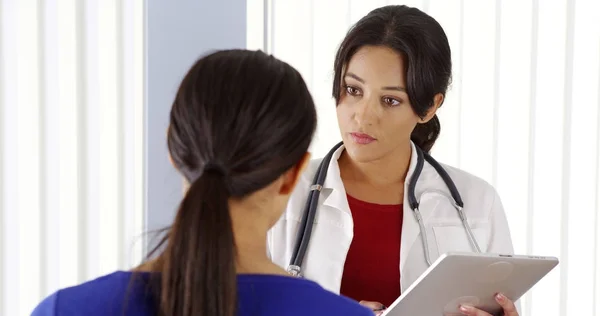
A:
{"x": 473, "y": 279}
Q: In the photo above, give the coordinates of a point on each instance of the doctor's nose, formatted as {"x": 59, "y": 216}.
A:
{"x": 365, "y": 113}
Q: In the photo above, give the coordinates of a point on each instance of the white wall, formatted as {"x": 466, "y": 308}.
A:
{"x": 522, "y": 113}
{"x": 71, "y": 124}
{"x": 85, "y": 91}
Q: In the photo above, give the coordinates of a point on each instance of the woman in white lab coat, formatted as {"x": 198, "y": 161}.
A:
{"x": 391, "y": 75}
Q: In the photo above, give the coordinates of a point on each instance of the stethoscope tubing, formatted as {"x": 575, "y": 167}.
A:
{"x": 310, "y": 208}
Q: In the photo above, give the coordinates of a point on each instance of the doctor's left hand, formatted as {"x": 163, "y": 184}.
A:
{"x": 507, "y": 305}
{"x": 376, "y": 307}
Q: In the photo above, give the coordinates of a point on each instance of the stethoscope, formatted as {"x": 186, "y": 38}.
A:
{"x": 310, "y": 209}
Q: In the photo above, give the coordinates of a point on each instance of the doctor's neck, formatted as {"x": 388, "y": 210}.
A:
{"x": 389, "y": 169}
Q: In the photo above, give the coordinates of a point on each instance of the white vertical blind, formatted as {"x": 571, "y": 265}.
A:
{"x": 522, "y": 113}
{"x": 71, "y": 124}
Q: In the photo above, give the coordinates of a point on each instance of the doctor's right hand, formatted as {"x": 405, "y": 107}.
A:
{"x": 376, "y": 307}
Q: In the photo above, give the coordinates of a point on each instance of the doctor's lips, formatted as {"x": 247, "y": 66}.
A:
{"x": 362, "y": 138}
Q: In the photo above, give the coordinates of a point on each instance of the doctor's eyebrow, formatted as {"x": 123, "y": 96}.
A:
{"x": 355, "y": 77}
{"x": 361, "y": 80}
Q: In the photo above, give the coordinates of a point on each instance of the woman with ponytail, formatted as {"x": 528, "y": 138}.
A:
{"x": 391, "y": 74}
{"x": 239, "y": 132}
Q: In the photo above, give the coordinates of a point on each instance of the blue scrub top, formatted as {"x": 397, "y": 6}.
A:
{"x": 127, "y": 293}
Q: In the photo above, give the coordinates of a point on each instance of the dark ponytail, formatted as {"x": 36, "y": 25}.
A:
{"x": 424, "y": 135}
{"x": 423, "y": 44}
{"x": 239, "y": 121}
{"x": 198, "y": 271}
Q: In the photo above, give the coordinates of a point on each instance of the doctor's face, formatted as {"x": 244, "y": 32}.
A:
{"x": 374, "y": 113}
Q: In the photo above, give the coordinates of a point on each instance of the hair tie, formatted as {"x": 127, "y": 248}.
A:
{"x": 215, "y": 168}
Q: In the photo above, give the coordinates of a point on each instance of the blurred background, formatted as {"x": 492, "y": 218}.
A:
{"x": 86, "y": 87}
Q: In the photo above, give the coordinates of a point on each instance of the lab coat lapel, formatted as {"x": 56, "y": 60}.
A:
{"x": 336, "y": 193}
{"x": 410, "y": 226}
{"x": 336, "y": 214}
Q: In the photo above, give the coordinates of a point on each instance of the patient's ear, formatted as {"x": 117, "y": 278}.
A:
{"x": 291, "y": 177}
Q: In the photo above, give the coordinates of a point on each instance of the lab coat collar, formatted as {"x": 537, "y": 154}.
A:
{"x": 334, "y": 191}
{"x": 334, "y": 195}
{"x": 410, "y": 226}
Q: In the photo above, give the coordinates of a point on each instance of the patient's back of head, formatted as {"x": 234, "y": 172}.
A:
{"x": 240, "y": 127}
{"x": 239, "y": 122}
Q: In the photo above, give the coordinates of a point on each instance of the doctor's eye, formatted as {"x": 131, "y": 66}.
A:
{"x": 350, "y": 90}
{"x": 389, "y": 101}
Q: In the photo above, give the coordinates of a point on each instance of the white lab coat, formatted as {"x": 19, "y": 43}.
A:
{"x": 333, "y": 227}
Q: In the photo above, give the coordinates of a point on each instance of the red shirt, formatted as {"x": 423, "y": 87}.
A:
{"x": 372, "y": 268}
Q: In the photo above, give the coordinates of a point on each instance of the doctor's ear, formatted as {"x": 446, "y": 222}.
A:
{"x": 438, "y": 99}
{"x": 291, "y": 177}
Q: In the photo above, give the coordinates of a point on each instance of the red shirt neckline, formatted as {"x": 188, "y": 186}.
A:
{"x": 372, "y": 267}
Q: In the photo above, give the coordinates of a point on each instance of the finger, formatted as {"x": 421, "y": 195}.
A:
{"x": 507, "y": 305}
{"x": 374, "y": 306}
{"x": 472, "y": 311}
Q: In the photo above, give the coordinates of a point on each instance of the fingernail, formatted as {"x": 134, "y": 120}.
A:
{"x": 466, "y": 308}
{"x": 500, "y": 297}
